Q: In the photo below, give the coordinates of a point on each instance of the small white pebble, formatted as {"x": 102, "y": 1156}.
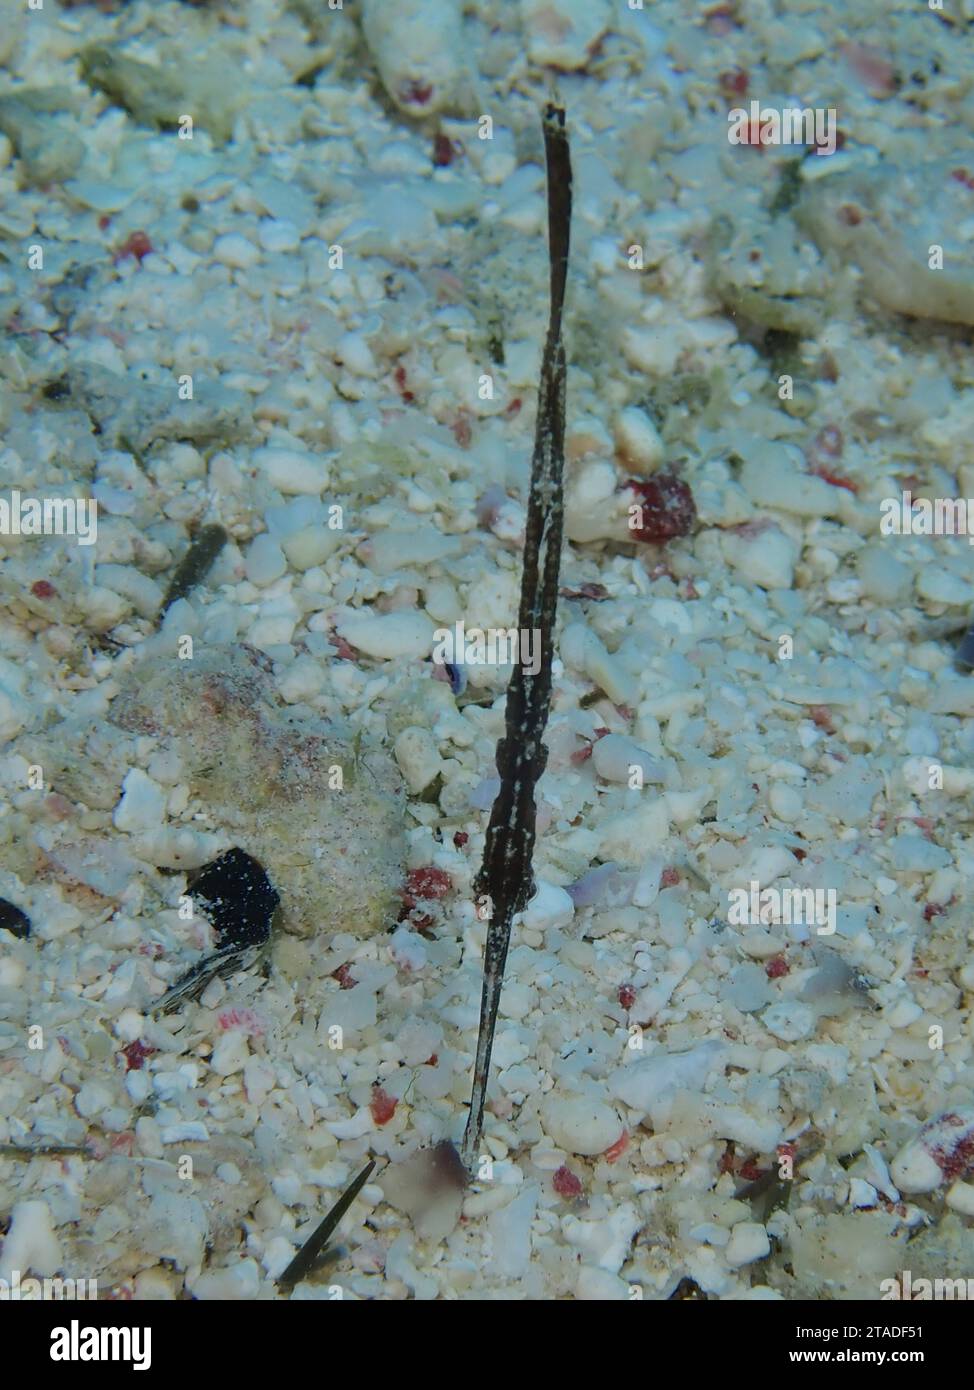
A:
{"x": 638, "y": 440}
{"x": 276, "y": 234}
{"x": 884, "y": 579}
{"x": 861, "y": 1194}
{"x": 787, "y": 802}
{"x": 189, "y": 1132}
{"x": 293, "y": 473}
{"x": 239, "y": 1281}
{"x": 580, "y": 1124}
{"x": 265, "y": 561}
{"x": 355, "y": 354}
{"x": 548, "y": 907}
{"x": 620, "y": 759}
{"x": 789, "y": 1022}
{"x": 13, "y": 972}
{"x": 749, "y": 1242}
{"x": 767, "y": 558}
{"x": 143, "y": 804}
{"x": 235, "y": 251}
{"x": 960, "y": 1197}
{"x": 418, "y": 757}
{"x": 940, "y": 586}
{"x": 231, "y": 1053}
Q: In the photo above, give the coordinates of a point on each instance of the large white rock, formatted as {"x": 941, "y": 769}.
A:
{"x": 390, "y": 635}
{"x": 580, "y": 1124}
{"x": 31, "y": 1242}
{"x": 644, "y": 1083}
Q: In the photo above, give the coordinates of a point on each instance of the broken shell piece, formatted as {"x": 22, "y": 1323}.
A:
{"x": 418, "y": 49}
{"x": 943, "y": 1150}
{"x": 564, "y": 35}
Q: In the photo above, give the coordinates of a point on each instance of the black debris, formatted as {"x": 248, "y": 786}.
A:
{"x": 238, "y": 898}
{"x": 240, "y": 901}
{"x": 13, "y": 920}
{"x": 964, "y": 655}
{"x": 194, "y": 566}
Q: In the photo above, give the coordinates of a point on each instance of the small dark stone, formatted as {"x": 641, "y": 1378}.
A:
{"x": 58, "y": 390}
{"x": 193, "y": 567}
{"x": 965, "y": 652}
{"x": 237, "y": 897}
{"x": 13, "y": 920}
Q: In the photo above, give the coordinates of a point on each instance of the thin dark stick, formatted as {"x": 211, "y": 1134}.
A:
{"x": 193, "y": 567}
{"x": 307, "y": 1257}
{"x": 505, "y": 875}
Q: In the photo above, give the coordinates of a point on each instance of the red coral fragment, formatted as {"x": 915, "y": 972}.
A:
{"x": 595, "y": 592}
{"x": 400, "y": 379}
{"x": 343, "y": 651}
{"x": 566, "y": 1183}
{"x": 382, "y": 1105}
{"x": 344, "y": 976}
{"x": 616, "y": 1150}
{"x": 415, "y": 93}
{"x": 873, "y": 69}
{"x": 734, "y": 82}
{"x": 834, "y": 479}
{"x": 444, "y": 150}
{"x": 955, "y": 1160}
{"x": 776, "y": 967}
{"x": 822, "y": 717}
{"x": 665, "y": 509}
{"x": 135, "y": 1054}
{"x": 426, "y": 885}
{"x": 627, "y": 996}
{"x": 137, "y": 245}
{"x": 462, "y": 429}
{"x": 43, "y": 588}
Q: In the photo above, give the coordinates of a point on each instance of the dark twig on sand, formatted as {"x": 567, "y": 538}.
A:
{"x": 311, "y": 1251}
{"x": 194, "y": 565}
{"x": 505, "y": 876}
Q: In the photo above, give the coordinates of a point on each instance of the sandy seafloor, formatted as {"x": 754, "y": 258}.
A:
{"x": 653, "y": 1059}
